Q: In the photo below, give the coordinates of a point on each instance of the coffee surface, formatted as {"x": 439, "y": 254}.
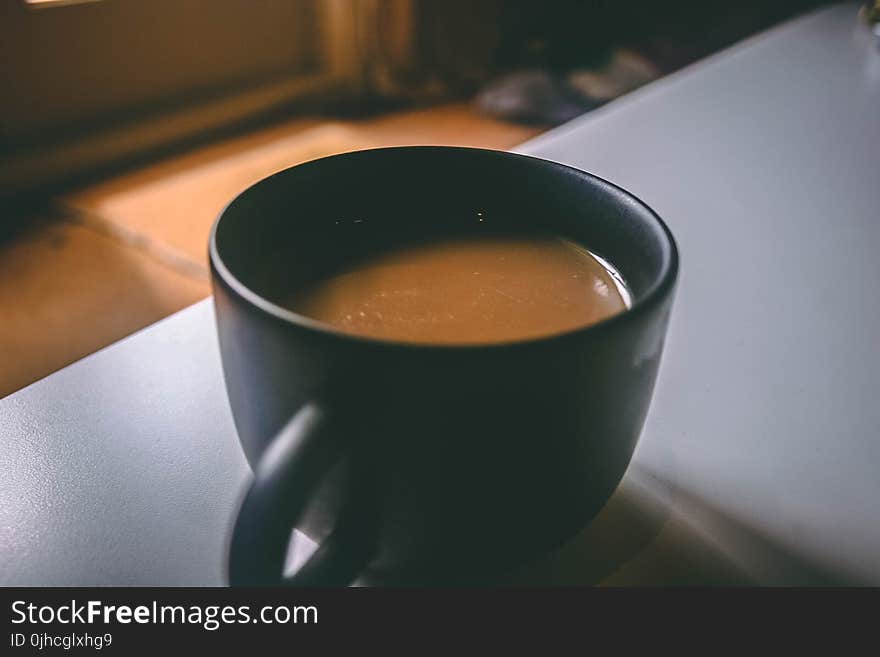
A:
{"x": 469, "y": 290}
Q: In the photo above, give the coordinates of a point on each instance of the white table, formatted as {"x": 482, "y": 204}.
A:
{"x": 760, "y": 460}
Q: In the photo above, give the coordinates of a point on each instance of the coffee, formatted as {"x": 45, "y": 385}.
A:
{"x": 392, "y": 452}
{"x": 467, "y": 290}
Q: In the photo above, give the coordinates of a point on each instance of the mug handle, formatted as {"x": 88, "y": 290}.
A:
{"x": 289, "y": 470}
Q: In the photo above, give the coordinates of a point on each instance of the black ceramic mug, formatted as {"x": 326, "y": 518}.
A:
{"x": 418, "y": 463}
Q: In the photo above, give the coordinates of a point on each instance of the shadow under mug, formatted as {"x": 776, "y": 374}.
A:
{"x": 418, "y": 463}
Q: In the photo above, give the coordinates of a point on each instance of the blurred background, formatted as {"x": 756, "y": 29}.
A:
{"x": 126, "y": 125}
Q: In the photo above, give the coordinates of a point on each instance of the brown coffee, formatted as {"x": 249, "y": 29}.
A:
{"x": 469, "y": 290}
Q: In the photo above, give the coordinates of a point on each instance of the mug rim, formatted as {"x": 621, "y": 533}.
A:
{"x": 659, "y": 289}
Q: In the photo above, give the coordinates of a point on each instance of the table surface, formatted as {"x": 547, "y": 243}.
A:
{"x": 759, "y": 460}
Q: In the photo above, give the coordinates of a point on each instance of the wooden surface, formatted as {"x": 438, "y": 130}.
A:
{"x": 67, "y": 291}
{"x": 131, "y": 249}
{"x": 171, "y": 205}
